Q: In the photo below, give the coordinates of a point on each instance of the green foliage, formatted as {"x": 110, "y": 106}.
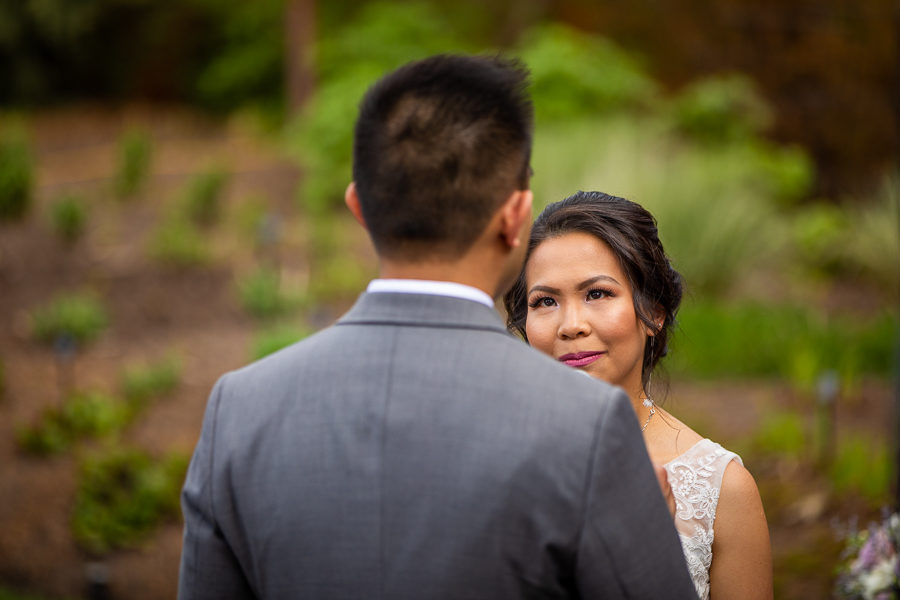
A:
{"x": 754, "y": 340}
{"x": 83, "y": 415}
{"x": 10, "y": 594}
{"x": 859, "y": 243}
{"x": 379, "y": 38}
{"x": 261, "y": 295}
{"x": 274, "y": 339}
{"x": 77, "y": 316}
{"x": 720, "y": 109}
{"x": 202, "y": 199}
{"x": 862, "y": 465}
{"x": 123, "y": 495}
{"x": 781, "y": 434}
{"x": 135, "y": 154}
{"x": 248, "y": 64}
{"x": 140, "y": 384}
{"x": 68, "y": 216}
{"x": 16, "y": 175}
{"x": 577, "y": 75}
{"x": 177, "y": 242}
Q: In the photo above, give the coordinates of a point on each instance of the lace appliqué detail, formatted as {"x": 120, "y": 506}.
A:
{"x": 695, "y": 478}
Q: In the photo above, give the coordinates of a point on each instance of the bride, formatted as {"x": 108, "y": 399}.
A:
{"x": 598, "y": 293}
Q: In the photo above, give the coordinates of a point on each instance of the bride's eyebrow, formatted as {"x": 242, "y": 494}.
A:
{"x": 544, "y": 288}
{"x": 589, "y": 282}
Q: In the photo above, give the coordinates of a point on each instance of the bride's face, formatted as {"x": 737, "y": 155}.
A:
{"x": 581, "y": 311}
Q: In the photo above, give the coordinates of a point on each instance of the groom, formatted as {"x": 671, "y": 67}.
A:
{"x": 415, "y": 449}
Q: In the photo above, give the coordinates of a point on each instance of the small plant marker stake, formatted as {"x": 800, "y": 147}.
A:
{"x": 826, "y": 413}
{"x": 64, "y": 347}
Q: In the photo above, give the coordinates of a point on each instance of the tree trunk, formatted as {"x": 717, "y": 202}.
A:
{"x": 299, "y": 37}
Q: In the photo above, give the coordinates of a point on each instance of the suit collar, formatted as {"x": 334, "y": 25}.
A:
{"x": 387, "y": 308}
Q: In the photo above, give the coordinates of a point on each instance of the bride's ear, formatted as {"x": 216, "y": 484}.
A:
{"x": 659, "y": 319}
{"x": 515, "y": 217}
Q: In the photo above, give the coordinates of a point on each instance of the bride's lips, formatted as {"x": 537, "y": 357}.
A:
{"x": 580, "y": 359}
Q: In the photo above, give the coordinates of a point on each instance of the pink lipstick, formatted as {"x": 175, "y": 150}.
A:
{"x": 580, "y": 359}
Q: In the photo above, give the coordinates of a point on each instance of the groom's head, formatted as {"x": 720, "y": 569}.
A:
{"x": 439, "y": 145}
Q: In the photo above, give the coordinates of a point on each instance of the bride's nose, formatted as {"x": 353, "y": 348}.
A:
{"x": 573, "y": 323}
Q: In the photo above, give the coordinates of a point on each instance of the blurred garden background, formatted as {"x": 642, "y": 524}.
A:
{"x": 171, "y": 185}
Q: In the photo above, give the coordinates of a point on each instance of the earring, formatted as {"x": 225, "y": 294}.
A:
{"x": 648, "y": 402}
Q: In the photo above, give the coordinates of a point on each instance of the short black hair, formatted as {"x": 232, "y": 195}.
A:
{"x": 439, "y": 144}
{"x": 631, "y": 232}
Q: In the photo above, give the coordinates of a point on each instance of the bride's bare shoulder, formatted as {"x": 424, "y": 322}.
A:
{"x": 672, "y": 438}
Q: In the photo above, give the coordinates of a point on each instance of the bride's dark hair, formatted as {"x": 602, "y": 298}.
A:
{"x": 630, "y": 231}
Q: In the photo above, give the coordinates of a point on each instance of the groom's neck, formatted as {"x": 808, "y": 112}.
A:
{"x": 465, "y": 271}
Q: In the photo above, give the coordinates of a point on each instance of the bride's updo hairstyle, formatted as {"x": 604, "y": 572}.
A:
{"x": 630, "y": 231}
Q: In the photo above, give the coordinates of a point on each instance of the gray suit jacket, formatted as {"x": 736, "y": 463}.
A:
{"x": 416, "y": 450}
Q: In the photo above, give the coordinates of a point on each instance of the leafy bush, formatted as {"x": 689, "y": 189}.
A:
{"x": 261, "y": 295}
{"x": 78, "y": 317}
{"x": 16, "y": 176}
{"x": 10, "y": 594}
{"x": 135, "y": 154}
{"x": 142, "y": 383}
{"x": 720, "y": 109}
{"x": 577, "y": 75}
{"x": 862, "y": 465}
{"x": 81, "y": 416}
{"x": 178, "y": 243}
{"x": 753, "y": 340}
{"x": 273, "y": 340}
{"x": 123, "y": 495}
{"x": 781, "y": 434}
{"x": 248, "y": 64}
{"x": 203, "y": 197}
{"x": 68, "y": 216}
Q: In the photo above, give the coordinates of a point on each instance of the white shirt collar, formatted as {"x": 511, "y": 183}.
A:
{"x": 432, "y": 288}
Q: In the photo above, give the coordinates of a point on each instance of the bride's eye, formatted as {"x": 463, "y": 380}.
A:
{"x": 543, "y": 301}
{"x": 598, "y": 294}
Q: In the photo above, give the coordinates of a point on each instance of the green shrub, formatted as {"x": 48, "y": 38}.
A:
{"x": 862, "y": 465}
{"x": 203, "y": 197}
{"x": 10, "y": 594}
{"x": 142, "y": 383}
{"x": 123, "y": 495}
{"x": 273, "y": 340}
{"x": 260, "y": 293}
{"x": 16, "y": 176}
{"x": 248, "y": 65}
{"x": 781, "y": 434}
{"x": 135, "y": 154}
{"x": 83, "y": 415}
{"x": 577, "y": 75}
{"x": 720, "y": 109}
{"x": 177, "y": 242}
{"x": 753, "y": 340}
{"x": 68, "y": 216}
{"x": 77, "y": 316}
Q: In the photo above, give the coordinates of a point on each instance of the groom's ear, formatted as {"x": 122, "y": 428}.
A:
{"x": 351, "y": 199}
{"x": 515, "y": 218}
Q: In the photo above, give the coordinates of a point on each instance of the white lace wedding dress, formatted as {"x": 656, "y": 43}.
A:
{"x": 695, "y": 478}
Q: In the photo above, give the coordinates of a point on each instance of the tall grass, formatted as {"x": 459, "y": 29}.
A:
{"x": 715, "y": 206}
